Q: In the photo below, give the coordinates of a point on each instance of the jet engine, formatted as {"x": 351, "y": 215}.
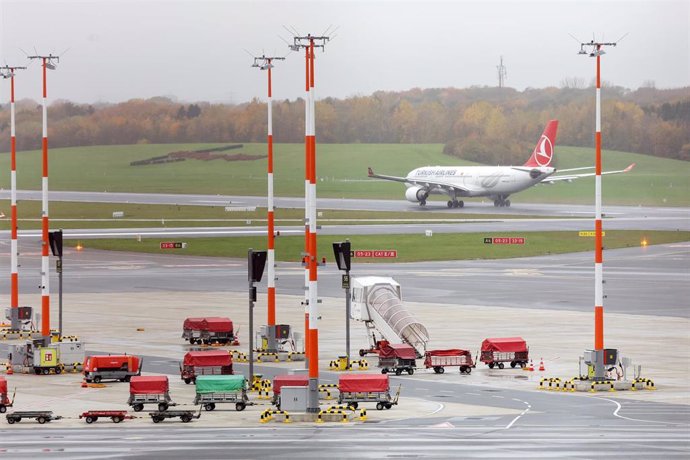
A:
{"x": 416, "y": 194}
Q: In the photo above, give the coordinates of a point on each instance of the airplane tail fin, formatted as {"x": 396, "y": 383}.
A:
{"x": 543, "y": 151}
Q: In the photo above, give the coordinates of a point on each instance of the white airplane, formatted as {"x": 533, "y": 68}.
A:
{"x": 495, "y": 182}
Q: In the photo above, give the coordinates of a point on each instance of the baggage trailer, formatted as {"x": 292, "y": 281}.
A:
{"x": 151, "y": 389}
{"x": 366, "y": 388}
{"x": 211, "y": 362}
{"x": 4, "y": 400}
{"x": 40, "y": 416}
{"x": 208, "y": 330}
{"x": 115, "y": 415}
{"x": 280, "y": 381}
{"x": 497, "y": 351}
{"x": 111, "y": 367}
{"x": 397, "y": 357}
{"x": 185, "y": 415}
{"x": 222, "y": 389}
{"x": 438, "y": 360}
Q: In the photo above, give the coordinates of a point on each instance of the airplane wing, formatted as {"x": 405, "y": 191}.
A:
{"x": 426, "y": 183}
{"x": 571, "y": 177}
{"x": 379, "y": 176}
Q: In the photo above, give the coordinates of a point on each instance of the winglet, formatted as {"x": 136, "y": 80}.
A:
{"x": 371, "y": 172}
{"x": 629, "y": 168}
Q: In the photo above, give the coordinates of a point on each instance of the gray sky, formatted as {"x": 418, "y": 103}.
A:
{"x": 194, "y": 50}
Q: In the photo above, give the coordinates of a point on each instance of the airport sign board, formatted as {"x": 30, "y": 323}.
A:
{"x": 376, "y": 253}
{"x": 504, "y": 240}
{"x": 173, "y": 245}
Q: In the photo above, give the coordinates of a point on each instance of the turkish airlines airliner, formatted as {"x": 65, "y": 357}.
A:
{"x": 495, "y": 182}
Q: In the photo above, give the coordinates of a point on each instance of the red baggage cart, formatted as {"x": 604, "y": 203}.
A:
{"x": 438, "y": 360}
{"x": 497, "y": 351}
{"x": 211, "y": 362}
{"x": 397, "y": 357}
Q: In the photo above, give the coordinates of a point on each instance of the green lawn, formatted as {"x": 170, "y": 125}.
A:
{"x": 341, "y": 170}
{"x": 459, "y": 246}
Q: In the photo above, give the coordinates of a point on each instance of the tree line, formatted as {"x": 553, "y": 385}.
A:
{"x": 484, "y": 124}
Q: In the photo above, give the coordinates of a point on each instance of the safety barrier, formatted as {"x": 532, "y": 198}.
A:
{"x": 239, "y": 356}
{"x": 569, "y": 385}
{"x": 550, "y": 383}
{"x": 323, "y": 388}
{"x": 648, "y": 384}
{"x": 263, "y": 387}
{"x": 268, "y": 414}
{"x": 336, "y": 365}
{"x": 260, "y": 356}
{"x": 602, "y": 382}
{"x": 69, "y": 338}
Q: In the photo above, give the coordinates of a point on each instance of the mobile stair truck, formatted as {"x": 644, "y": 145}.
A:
{"x": 211, "y": 362}
{"x": 221, "y": 389}
{"x": 438, "y": 360}
{"x": 111, "y": 367}
{"x": 208, "y": 330}
{"x": 150, "y": 389}
{"x": 398, "y": 358}
{"x": 366, "y": 388}
{"x": 497, "y": 351}
{"x": 4, "y": 400}
{"x": 377, "y": 302}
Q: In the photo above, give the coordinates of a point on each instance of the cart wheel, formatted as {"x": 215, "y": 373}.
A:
{"x": 239, "y": 407}
{"x": 162, "y": 407}
{"x": 379, "y": 406}
{"x": 410, "y": 370}
{"x": 58, "y": 370}
{"x": 191, "y": 341}
{"x": 37, "y": 371}
{"x": 384, "y": 371}
{"x": 90, "y": 419}
{"x": 3, "y": 409}
{"x": 209, "y": 406}
{"x": 361, "y": 353}
{"x": 97, "y": 379}
{"x": 398, "y": 371}
{"x": 46, "y": 371}
{"x": 117, "y": 419}
{"x": 12, "y": 420}
{"x": 501, "y": 365}
{"x": 128, "y": 378}
{"x": 157, "y": 419}
{"x": 441, "y": 370}
{"x": 513, "y": 364}
{"x": 468, "y": 370}
{"x": 186, "y": 418}
{"x": 354, "y": 405}
{"x": 187, "y": 381}
{"x": 491, "y": 365}
{"x": 389, "y": 405}
{"x": 138, "y": 407}
{"x": 437, "y": 370}
{"x": 41, "y": 420}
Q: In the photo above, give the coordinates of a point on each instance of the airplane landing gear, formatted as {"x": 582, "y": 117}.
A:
{"x": 422, "y": 203}
{"x": 502, "y": 202}
{"x": 456, "y": 204}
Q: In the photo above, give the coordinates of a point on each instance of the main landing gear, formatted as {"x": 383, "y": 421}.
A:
{"x": 456, "y": 204}
{"x": 502, "y": 202}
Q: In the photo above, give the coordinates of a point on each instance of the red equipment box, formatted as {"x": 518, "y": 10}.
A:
{"x": 149, "y": 384}
{"x": 95, "y": 363}
{"x": 280, "y": 381}
{"x": 363, "y": 383}
{"x": 397, "y": 350}
{"x": 208, "y": 358}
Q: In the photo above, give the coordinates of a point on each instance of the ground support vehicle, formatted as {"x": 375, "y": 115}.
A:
{"x": 210, "y": 362}
{"x": 222, "y": 389}
{"x": 208, "y": 330}
{"x": 40, "y": 416}
{"x": 4, "y": 400}
{"x": 498, "y": 351}
{"x": 53, "y": 358}
{"x": 366, "y": 388}
{"x": 185, "y": 415}
{"x": 398, "y": 358}
{"x": 438, "y": 360}
{"x": 280, "y": 381}
{"x": 153, "y": 389}
{"x": 115, "y": 415}
{"x": 111, "y": 367}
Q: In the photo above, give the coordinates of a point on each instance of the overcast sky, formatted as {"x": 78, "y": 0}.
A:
{"x": 194, "y": 50}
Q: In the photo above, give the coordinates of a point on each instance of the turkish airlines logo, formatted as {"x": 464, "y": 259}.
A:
{"x": 544, "y": 151}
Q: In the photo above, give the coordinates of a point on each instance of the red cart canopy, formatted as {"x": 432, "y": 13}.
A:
{"x": 505, "y": 344}
{"x": 150, "y": 384}
{"x": 3, "y": 386}
{"x": 453, "y": 352}
{"x": 193, "y": 323}
{"x": 397, "y": 350}
{"x": 363, "y": 383}
{"x": 280, "y": 381}
{"x": 217, "y": 324}
{"x": 111, "y": 362}
{"x": 208, "y": 358}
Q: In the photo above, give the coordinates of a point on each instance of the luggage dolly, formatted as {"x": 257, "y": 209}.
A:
{"x": 185, "y": 415}
{"x": 115, "y": 415}
{"x": 40, "y": 416}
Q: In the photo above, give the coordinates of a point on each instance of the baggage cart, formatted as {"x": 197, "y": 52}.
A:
{"x": 5, "y": 402}
{"x": 40, "y": 416}
{"x": 366, "y": 388}
{"x": 153, "y": 389}
{"x": 111, "y": 367}
{"x": 210, "y": 362}
{"x": 115, "y": 415}
{"x": 208, "y": 330}
{"x": 498, "y": 351}
{"x": 398, "y": 358}
{"x": 185, "y": 415}
{"x": 438, "y": 360}
{"x": 222, "y": 389}
{"x": 280, "y": 381}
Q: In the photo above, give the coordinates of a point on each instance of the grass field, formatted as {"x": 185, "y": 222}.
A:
{"x": 410, "y": 247}
{"x": 341, "y": 171}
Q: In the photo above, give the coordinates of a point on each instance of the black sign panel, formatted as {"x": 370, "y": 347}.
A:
{"x": 257, "y": 263}
{"x": 55, "y": 239}
{"x": 342, "y": 254}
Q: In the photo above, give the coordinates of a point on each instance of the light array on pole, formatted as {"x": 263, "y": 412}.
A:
{"x": 309, "y": 43}
{"x": 9, "y": 72}
{"x": 266, "y": 63}
{"x": 47, "y": 62}
{"x": 594, "y": 49}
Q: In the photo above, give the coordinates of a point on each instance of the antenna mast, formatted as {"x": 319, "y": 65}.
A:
{"x": 502, "y": 74}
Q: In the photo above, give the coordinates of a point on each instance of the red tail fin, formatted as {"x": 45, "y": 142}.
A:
{"x": 543, "y": 152}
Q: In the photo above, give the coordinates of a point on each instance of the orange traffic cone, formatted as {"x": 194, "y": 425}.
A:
{"x": 541, "y": 365}
{"x": 10, "y": 370}
{"x": 531, "y": 366}
{"x": 84, "y": 384}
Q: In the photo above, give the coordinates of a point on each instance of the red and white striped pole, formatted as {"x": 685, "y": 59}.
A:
{"x": 313, "y": 259}
{"x": 307, "y": 213}
{"x": 45, "y": 265}
{"x": 271, "y": 228}
{"x": 598, "y": 246}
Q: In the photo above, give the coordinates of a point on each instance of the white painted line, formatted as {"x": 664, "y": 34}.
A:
{"x": 521, "y": 414}
{"x": 615, "y": 413}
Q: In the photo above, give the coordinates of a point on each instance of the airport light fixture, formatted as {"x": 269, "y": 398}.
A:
{"x": 47, "y": 63}
{"x": 595, "y": 49}
{"x": 309, "y": 43}
{"x": 9, "y": 72}
{"x": 264, "y": 62}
